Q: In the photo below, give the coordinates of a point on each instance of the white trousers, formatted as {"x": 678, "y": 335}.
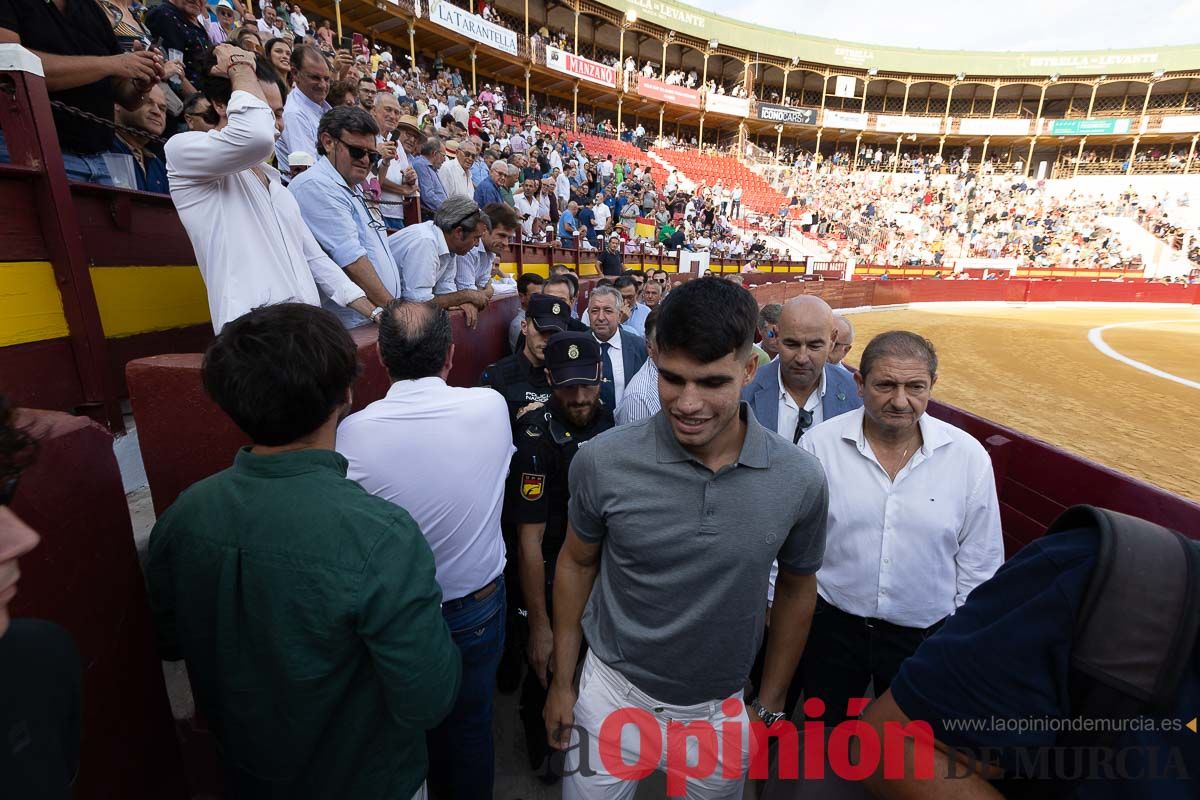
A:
{"x": 694, "y": 745}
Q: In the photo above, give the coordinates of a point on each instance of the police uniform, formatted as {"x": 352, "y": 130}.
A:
{"x": 520, "y": 381}
{"x": 546, "y": 443}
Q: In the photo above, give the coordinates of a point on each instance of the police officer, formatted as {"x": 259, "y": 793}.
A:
{"x": 521, "y": 377}
{"x": 547, "y": 438}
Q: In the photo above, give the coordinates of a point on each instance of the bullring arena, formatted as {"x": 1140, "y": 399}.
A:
{"x": 1040, "y": 370}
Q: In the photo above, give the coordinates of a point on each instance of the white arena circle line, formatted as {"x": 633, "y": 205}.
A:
{"x": 1096, "y": 337}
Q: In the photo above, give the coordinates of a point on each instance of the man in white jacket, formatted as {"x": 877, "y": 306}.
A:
{"x": 251, "y": 244}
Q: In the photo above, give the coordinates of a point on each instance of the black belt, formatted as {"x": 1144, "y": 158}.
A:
{"x": 479, "y": 594}
{"x": 874, "y": 623}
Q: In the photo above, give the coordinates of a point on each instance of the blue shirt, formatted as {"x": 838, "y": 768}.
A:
{"x": 587, "y": 217}
{"x": 151, "y": 175}
{"x": 488, "y": 192}
{"x": 345, "y": 228}
{"x": 1006, "y": 654}
{"x": 563, "y": 220}
{"x": 479, "y": 171}
{"x": 301, "y": 118}
{"x": 429, "y": 183}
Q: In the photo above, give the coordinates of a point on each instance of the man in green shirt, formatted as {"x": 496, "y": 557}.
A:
{"x": 306, "y": 609}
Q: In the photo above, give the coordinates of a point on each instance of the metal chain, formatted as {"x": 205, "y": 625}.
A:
{"x": 108, "y": 123}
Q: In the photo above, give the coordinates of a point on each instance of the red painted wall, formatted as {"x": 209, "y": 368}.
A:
{"x": 85, "y": 576}
{"x": 184, "y": 436}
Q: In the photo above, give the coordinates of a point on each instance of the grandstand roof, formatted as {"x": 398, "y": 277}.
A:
{"x": 813, "y": 49}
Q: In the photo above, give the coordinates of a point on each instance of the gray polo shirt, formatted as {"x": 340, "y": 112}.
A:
{"x": 679, "y": 605}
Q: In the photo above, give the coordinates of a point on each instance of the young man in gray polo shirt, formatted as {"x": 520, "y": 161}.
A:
{"x": 674, "y": 617}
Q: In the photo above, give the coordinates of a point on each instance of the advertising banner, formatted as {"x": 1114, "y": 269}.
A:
{"x": 788, "y": 114}
{"x": 474, "y": 27}
{"x": 1089, "y": 127}
{"x": 887, "y": 124}
{"x": 1189, "y": 123}
{"x": 676, "y": 95}
{"x": 724, "y": 104}
{"x": 994, "y": 127}
{"x": 584, "y": 68}
{"x": 853, "y": 121}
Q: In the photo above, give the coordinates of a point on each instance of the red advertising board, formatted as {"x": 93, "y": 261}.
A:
{"x": 584, "y": 68}
{"x": 675, "y": 95}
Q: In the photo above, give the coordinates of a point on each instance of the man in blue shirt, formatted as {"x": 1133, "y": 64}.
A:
{"x": 488, "y": 191}
{"x": 568, "y": 224}
{"x": 587, "y": 218}
{"x": 426, "y": 165}
{"x": 151, "y": 117}
{"x": 332, "y": 204}
{"x": 1005, "y": 656}
{"x": 482, "y": 167}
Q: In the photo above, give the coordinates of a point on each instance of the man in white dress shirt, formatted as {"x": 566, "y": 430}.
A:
{"x": 251, "y": 244}
{"x": 914, "y": 525}
{"x": 305, "y": 105}
{"x": 441, "y": 453}
{"x": 427, "y": 255}
{"x": 455, "y": 171}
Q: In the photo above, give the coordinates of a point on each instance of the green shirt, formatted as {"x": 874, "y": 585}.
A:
{"x": 311, "y": 623}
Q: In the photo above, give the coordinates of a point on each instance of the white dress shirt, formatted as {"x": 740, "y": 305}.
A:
{"x": 789, "y": 412}
{"x": 301, "y": 117}
{"x": 391, "y": 204}
{"x": 455, "y": 179}
{"x": 441, "y": 453}
{"x": 428, "y": 265}
{"x": 618, "y": 366}
{"x": 525, "y": 206}
{"x": 641, "y": 396}
{"x": 907, "y": 551}
{"x": 251, "y": 244}
{"x": 562, "y": 190}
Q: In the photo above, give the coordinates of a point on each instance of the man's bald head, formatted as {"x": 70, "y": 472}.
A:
{"x": 844, "y": 339}
{"x": 806, "y": 336}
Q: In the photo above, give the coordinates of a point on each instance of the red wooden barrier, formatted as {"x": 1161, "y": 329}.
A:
{"x": 85, "y": 576}
{"x": 184, "y": 436}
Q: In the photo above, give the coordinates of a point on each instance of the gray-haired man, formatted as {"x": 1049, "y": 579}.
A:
{"x": 427, "y": 254}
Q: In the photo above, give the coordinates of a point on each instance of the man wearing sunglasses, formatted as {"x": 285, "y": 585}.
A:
{"x": 346, "y": 225}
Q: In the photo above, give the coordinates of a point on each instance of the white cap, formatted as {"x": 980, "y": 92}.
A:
{"x": 300, "y": 159}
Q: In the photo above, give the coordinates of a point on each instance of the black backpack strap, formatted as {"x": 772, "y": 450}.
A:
{"x": 1137, "y": 627}
{"x": 1133, "y": 638}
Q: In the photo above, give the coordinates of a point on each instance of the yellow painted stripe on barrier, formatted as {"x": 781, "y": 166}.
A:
{"x": 31, "y": 307}
{"x": 587, "y": 270}
{"x": 141, "y": 299}
{"x": 509, "y": 266}
{"x": 539, "y": 269}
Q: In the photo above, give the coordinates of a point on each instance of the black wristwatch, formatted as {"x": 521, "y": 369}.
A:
{"x": 768, "y": 717}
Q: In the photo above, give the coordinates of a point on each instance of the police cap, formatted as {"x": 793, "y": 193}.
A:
{"x": 548, "y": 313}
{"x": 573, "y": 359}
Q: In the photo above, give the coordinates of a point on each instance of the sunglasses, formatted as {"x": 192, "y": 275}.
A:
{"x": 357, "y": 153}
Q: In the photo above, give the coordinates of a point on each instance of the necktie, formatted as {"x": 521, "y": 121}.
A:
{"x": 608, "y": 389}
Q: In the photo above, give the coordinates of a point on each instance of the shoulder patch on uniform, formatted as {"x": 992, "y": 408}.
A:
{"x": 532, "y": 485}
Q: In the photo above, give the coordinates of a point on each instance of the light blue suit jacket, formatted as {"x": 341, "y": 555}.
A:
{"x": 762, "y": 393}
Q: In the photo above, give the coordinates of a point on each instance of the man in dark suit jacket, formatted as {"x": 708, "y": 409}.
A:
{"x": 623, "y": 352}
{"x": 799, "y": 388}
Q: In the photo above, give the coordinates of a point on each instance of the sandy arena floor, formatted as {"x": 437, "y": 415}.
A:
{"x": 1034, "y": 369}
